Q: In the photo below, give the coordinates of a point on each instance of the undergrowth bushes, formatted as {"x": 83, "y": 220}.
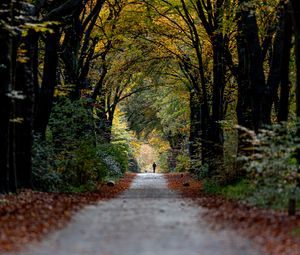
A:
{"x": 271, "y": 170}
{"x": 114, "y": 157}
{"x": 273, "y": 167}
{"x": 182, "y": 163}
{"x": 70, "y": 159}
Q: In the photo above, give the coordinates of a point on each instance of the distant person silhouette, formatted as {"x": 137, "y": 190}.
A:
{"x": 154, "y": 167}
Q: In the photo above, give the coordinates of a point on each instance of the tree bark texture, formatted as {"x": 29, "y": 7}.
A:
{"x": 295, "y": 10}
{"x": 285, "y": 86}
{"x": 195, "y": 130}
{"x": 5, "y": 89}
{"x": 252, "y": 79}
{"x": 279, "y": 67}
{"x": 46, "y": 92}
{"x": 25, "y": 111}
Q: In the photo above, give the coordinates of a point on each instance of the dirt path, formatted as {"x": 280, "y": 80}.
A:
{"x": 148, "y": 219}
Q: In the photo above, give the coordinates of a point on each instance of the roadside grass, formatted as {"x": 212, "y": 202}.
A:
{"x": 296, "y": 231}
{"x": 238, "y": 191}
{"x": 246, "y": 191}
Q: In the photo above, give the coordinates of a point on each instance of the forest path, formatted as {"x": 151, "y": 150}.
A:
{"x": 148, "y": 219}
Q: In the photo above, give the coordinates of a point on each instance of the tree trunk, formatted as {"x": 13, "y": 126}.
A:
{"x": 215, "y": 131}
{"x": 279, "y": 68}
{"x": 295, "y": 8}
{"x": 251, "y": 80}
{"x": 103, "y": 123}
{"x": 25, "y": 111}
{"x": 5, "y": 89}
{"x": 49, "y": 82}
{"x": 195, "y": 131}
{"x": 285, "y": 64}
{"x": 70, "y": 52}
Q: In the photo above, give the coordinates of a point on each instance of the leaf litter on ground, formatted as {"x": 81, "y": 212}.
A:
{"x": 28, "y": 215}
{"x": 273, "y": 230}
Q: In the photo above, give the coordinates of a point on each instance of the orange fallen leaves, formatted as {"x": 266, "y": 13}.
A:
{"x": 29, "y": 215}
{"x": 270, "y": 229}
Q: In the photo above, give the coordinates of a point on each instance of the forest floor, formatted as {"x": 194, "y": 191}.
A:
{"x": 150, "y": 214}
{"x": 30, "y": 215}
{"x": 276, "y": 232}
{"x": 148, "y": 218}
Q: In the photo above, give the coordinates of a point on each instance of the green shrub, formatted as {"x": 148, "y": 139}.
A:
{"x": 114, "y": 157}
{"x": 83, "y": 168}
{"x": 272, "y": 166}
{"x": 211, "y": 186}
{"x": 238, "y": 191}
{"x": 202, "y": 171}
{"x": 296, "y": 231}
{"x": 67, "y": 158}
{"x": 182, "y": 163}
{"x": 70, "y": 160}
{"x": 70, "y": 123}
{"x": 271, "y": 198}
{"x": 44, "y": 176}
{"x": 163, "y": 161}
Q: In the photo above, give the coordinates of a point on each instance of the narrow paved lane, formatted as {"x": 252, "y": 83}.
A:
{"x": 148, "y": 219}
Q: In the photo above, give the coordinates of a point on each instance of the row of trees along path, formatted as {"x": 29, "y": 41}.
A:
{"x": 186, "y": 71}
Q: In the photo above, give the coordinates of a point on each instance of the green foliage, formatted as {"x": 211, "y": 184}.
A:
{"x": 70, "y": 160}
{"x": 69, "y": 123}
{"x": 114, "y": 158}
{"x": 182, "y": 163}
{"x": 44, "y": 177}
{"x": 83, "y": 168}
{"x": 202, "y": 170}
{"x": 211, "y": 186}
{"x": 238, "y": 191}
{"x": 248, "y": 192}
{"x": 269, "y": 197}
{"x": 162, "y": 112}
{"x": 296, "y": 231}
{"x": 272, "y": 170}
{"x": 163, "y": 161}
{"x": 272, "y": 166}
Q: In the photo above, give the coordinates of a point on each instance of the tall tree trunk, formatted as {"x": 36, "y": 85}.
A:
{"x": 49, "y": 82}
{"x": 25, "y": 111}
{"x": 102, "y": 121}
{"x": 5, "y": 89}
{"x": 279, "y": 68}
{"x": 295, "y": 8}
{"x": 215, "y": 131}
{"x": 251, "y": 80}
{"x": 108, "y": 131}
{"x": 206, "y": 145}
{"x": 195, "y": 131}
{"x": 285, "y": 64}
{"x": 70, "y": 52}
{"x": 99, "y": 94}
